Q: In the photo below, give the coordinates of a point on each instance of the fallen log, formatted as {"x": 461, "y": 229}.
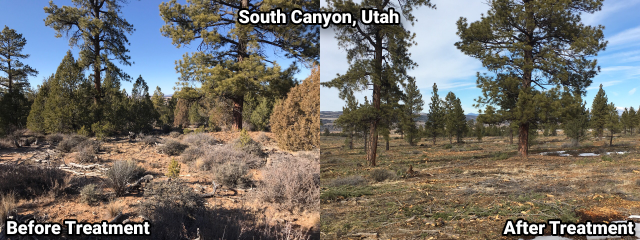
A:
{"x": 84, "y": 166}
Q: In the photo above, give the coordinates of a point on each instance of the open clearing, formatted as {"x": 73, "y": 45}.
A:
{"x": 468, "y": 191}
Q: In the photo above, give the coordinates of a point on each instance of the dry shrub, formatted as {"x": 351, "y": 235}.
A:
{"x": 168, "y": 203}
{"x": 8, "y": 204}
{"x": 54, "y": 138}
{"x": 175, "y": 134}
{"x": 219, "y": 155}
{"x": 247, "y": 144}
{"x": 113, "y": 209}
{"x": 296, "y": 120}
{"x": 292, "y": 183}
{"x": 380, "y": 175}
{"x": 192, "y": 154}
{"x": 31, "y": 181}
{"x": 232, "y": 174}
{"x": 150, "y": 140}
{"x": 86, "y": 154}
{"x": 90, "y": 194}
{"x": 199, "y": 139}
{"x": 121, "y": 173}
{"x": 7, "y": 143}
{"x": 263, "y": 138}
{"x": 69, "y": 143}
{"x": 172, "y": 148}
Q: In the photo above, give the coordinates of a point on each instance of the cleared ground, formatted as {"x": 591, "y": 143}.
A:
{"x": 468, "y": 191}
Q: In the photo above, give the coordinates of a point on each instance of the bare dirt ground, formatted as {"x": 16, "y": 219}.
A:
{"x": 51, "y": 208}
{"x": 468, "y": 191}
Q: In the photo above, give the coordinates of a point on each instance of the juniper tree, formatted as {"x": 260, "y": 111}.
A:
{"x": 373, "y": 52}
{"x": 435, "y": 122}
{"x": 65, "y": 108}
{"x": 230, "y": 58}
{"x": 612, "y": 122}
{"x": 455, "y": 120}
{"x": 163, "y": 107}
{"x": 143, "y": 113}
{"x": 599, "y": 112}
{"x": 530, "y": 45}
{"x": 98, "y": 30}
{"x": 411, "y": 111}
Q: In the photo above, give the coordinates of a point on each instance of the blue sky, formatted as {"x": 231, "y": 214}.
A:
{"x": 153, "y": 54}
{"x": 440, "y": 62}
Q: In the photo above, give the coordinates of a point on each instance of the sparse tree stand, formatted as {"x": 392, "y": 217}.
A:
{"x": 520, "y": 39}
{"x": 95, "y": 27}
{"x": 370, "y": 48}
{"x": 230, "y": 58}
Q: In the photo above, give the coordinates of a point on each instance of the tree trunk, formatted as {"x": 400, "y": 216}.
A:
{"x": 350, "y": 139}
{"x": 523, "y": 137}
{"x": 10, "y": 75}
{"x": 237, "y": 113}
{"x": 373, "y": 138}
{"x": 365, "y": 137}
{"x": 611, "y": 140}
{"x": 96, "y": 64}
{"x": 510, "y": 135}
{"x": 387, "y": 147}
{"x": 434, "y": 140}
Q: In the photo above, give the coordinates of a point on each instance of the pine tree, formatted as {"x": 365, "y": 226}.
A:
{"x": 455, "y": 120}
{"x": 633, "y": 119}
{"x": 375, "y": 52}
{"x": 599, "y": 112}
{"x": 575, "y": 116}
{"x": 412, "y": 107}
{"x": 230, "y": 61}
{"x": 11, "y": 46}
{"x": 348, "y": 120}
{"x": 96, "y": 28}
{"x": 624, "y": 120}
{"x": 435, "y": 122}
{"x": 613, "y": 122}
{"x": 525, "y": 44}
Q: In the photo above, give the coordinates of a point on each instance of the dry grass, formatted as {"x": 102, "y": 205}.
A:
{"x": 8, "y": 204}
{"x": 113, "y": 209}
{"x": 292, "y": 183}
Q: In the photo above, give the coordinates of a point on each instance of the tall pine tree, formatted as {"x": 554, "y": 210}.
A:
{"x": 434, "y": 126}
{"x": 455, "y": 120}
{"x": 529, "y": 45}
{"x": 96, "y": 28}
{"x": 373, "y": 52}
{"x": 600, "y": 112}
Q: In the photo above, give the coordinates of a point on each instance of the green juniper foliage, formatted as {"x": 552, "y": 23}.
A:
{"x": 575, "y": 116}
{"x": 529, "y": 45}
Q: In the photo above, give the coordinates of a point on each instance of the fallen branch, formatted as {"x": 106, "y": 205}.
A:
{"x": 116, "y": 218}
{"x": 84, "y": 166}
{"x": 208, "y": 195}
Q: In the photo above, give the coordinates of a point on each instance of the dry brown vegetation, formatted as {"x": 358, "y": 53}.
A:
{"x": 125, "y": 181}
{"x": 468, "y": 191}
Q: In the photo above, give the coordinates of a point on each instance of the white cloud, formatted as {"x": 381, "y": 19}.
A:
{"x": 439, "y": 61}
{"x": 629, "y": 36}
{"x": 608, "y": 9}
{"x": 632, "y": 91}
